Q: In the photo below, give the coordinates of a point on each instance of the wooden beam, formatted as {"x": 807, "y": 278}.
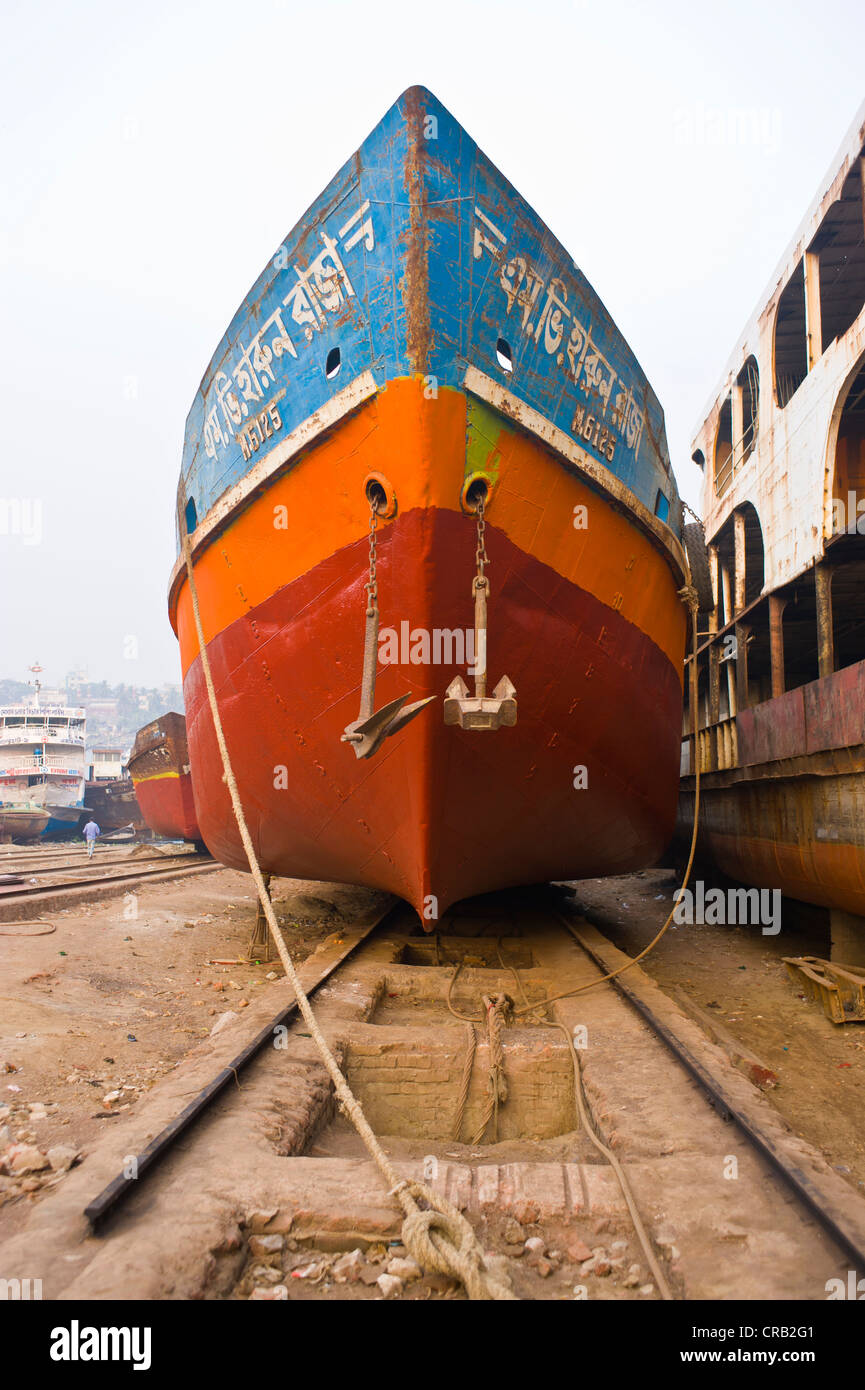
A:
{"x": 714, "y": 683}
{"x": 813, "y": 325}
{"x": 776, "y": 643}
{"x": 742, "y": 634}
{"x": 738, "y": 425}
{"x": 713, "y": 575}
{"x": 728, "y": 614}
{"x": 739, "y": 572}
{"x": 825, "y": 634}
{"x": 725, "y": 595}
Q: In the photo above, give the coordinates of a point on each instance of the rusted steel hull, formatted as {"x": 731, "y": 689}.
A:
{"x": 791, "y": 815}
{"x": 113, "y": 804}
{"x": 440, "y": 812}
{"x": 24, "y": 824}
{"x": 438, "y": 274}
{"x": 159, "y": 768}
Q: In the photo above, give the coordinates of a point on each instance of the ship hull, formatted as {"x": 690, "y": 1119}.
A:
{"x": 168, "y": 806}
{"x": 114, "y": 804}
{"x": 421, "y": 331}
{"x": 63, "y": 820}
{"x": 588, "y": 627}
{"x": 791, "y": 814}
{"x": 159, "y": 768}
{"x": 25, "y": 824}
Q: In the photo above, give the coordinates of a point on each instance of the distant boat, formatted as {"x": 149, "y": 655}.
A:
{"x": 42, "y": 762}
{"x": 113, "y": 803}
{"x": 159, "y": 768}
{"x": 421, "y": 355}
{"x": 21, "y": 822}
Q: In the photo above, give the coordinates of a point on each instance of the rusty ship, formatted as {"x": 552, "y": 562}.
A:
{"x": 781, "y": 662}
{"x": 160, "y": 781}
{"x": 437, "y": 547}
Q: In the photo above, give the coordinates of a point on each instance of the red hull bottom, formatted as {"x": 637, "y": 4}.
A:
{"x": 438, "y": 813}
{"x": 168, "y": 807}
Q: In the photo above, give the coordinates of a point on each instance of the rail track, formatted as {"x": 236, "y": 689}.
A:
{"x": 236, "y": 1178}
{"x": 94, "y": 867}
{"x": 92, "y": 881}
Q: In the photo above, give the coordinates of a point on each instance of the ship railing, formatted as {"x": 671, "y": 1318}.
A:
{"x": 739, "y": 454}
{"x": 719, "y": 746}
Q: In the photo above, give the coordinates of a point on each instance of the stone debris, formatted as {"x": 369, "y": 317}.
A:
{"x": 576, "y": 1250}
{"x": 406, "y": 1270}
{"x": 347, "y": 1269}
{"x": 389, "y": 1285}
{"x": 62, "y": 1157}
{"x": 263, "y": 1274}
{"x": 257, "y": 1220}
{"x": 266, "y": 1245}
{"x": 514, "y": 1233}
{"x": 23, "y": 1159}
{"x": 279, "y": 1293}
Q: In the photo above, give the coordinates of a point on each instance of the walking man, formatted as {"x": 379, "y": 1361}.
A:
{"x": 91, "y": 831}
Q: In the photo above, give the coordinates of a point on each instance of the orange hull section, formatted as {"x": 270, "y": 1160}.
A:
{"x": 585, "y": 621}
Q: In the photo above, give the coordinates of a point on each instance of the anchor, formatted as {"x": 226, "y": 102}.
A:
{"x": 481, "y": 711}
{"x": 368, "y": 732}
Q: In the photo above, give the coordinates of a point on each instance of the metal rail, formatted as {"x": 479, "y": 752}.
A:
{"x": 119, "y": 1188}
{"x": 828, "y": 1215}
{"x": 89, "y": 865}
{"x": 11, "y": 892}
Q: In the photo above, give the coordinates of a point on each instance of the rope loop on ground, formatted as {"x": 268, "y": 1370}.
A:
{"x": 441, "y": 1239}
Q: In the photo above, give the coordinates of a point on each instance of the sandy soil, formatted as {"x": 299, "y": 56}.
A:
{"x": 737, "y": 974}
{"x": 119, "y": 993}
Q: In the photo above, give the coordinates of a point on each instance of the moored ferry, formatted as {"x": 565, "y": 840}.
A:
{"x": 436, "y": 543}
{"x": 42, "y": 768}
{"x": 782, "y": 655}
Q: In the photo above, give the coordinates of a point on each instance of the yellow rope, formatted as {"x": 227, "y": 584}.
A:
{"x": 440, "y": 1239}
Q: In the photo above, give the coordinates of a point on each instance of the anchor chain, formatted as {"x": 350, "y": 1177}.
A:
{"x": 371, "y": 585}
{"x": 372, "y": 727}
{"x": 480, "y": 711}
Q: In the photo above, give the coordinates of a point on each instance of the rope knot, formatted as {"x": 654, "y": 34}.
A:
{"x": 441, "y": 1239}
{"x": 688, "y": 594}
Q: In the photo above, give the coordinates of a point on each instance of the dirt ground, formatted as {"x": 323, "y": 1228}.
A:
{"x": 93, "y": 1014}
{"x": 737, "y": 975}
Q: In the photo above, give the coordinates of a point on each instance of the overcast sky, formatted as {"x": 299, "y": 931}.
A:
{"x": 153, "y": 156}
